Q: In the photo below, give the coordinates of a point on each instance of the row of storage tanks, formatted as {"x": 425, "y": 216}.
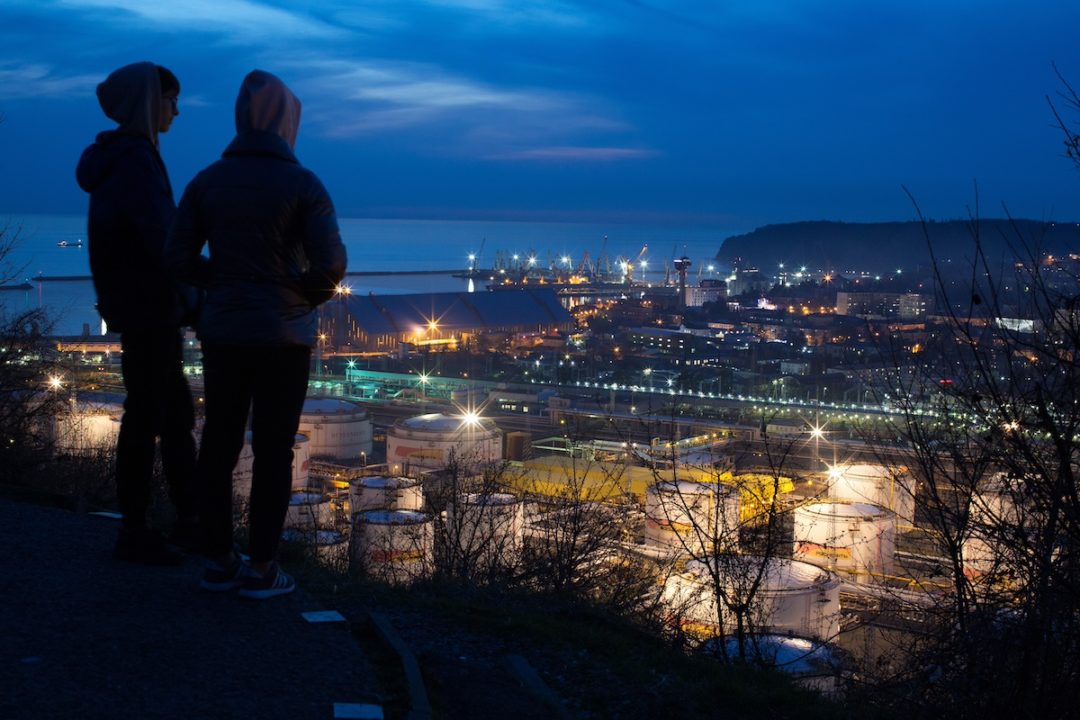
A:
{"x": 330, "y": 429}
{"x": 392, "y": 538}
{"x": 853, "y": 529}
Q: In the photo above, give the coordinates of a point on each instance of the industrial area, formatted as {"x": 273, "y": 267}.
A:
{"x": 741, "y": 456}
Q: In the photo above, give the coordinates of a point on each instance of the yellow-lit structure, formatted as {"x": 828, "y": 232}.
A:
{"x": 558, "y": 476}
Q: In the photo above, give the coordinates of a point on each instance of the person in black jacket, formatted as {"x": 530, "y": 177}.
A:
{"x": 275, "y": 254}
{"x": 131, "y": 210}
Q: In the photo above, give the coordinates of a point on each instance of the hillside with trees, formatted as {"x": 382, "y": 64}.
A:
{"x": 885, "y": 246}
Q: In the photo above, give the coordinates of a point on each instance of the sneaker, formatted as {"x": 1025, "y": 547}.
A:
{"x": 146, "y": 547}
{"x": 218, "y": 578}
{"x": 274, "y": 582}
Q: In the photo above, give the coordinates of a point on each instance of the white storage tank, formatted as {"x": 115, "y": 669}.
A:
{"x": 792, "y": 597}
{"x": 426, "y": 442}
{"x": 87, "y": 426}
{"x": 487, "y": 529}
{"x": 395, "y": 546}
{"x": 890, "y": 487}
{"x": 309, "y": 509}
{"x": 857, "y": 538}
{"x": 385, "y": 493}
{"x": 301, "y": 466}
{"x": 691, "y": 516}
{"x": 994, "y": 516}
{"x": 338, "y": 430}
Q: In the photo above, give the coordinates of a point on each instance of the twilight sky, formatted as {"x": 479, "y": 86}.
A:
{"x": 728, "y": 113}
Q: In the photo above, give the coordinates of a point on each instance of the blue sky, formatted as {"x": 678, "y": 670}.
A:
{"x": 732, "y": 114}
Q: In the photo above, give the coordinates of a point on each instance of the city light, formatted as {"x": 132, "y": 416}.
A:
{"x": 343, "y": 289}
{"x": 55, "y": 382}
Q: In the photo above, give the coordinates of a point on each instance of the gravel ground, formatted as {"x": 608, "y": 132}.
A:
{"x": 83, "y": 635}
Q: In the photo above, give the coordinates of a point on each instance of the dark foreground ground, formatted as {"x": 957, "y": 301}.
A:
{"x": 85, "y": 636}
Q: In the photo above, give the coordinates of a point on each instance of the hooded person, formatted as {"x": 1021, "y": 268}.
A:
{"x": 131, "y": 210}
{"x": 274, "y": 255}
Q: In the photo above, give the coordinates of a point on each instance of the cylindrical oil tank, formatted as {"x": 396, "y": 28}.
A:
{"x": 301, "y": 466}
{"x": 309, "y": 509}
{"x": 385, "y": 493}
{"x": 427, "y": 442}
{"x": 691, "y": 516}
{"x": 337, "y": 430}
{"x": 791, "y": 598}
{"x": 857, "y": 538}
{"x": 890, "y": 487}
{"x": 395, "y": 546}
{"x": 989, "y": 551}
{"x": 86, "y": 426}
{"x": 487, "y": 528}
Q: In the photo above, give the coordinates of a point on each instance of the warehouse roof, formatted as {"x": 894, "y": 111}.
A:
{"x": 392, "y": 314}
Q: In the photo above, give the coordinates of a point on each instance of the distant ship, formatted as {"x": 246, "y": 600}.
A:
{"x": 65, "y": 243}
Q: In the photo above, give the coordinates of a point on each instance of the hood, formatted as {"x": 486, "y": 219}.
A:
{"x": 265, "y": 103}
{"x": 131, "y": 96}
{"x": 98, "y": 160}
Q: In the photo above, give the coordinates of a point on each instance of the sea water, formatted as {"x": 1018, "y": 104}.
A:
{"x": 373, "y": 245}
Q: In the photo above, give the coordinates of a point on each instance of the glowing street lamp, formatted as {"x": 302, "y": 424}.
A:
{"x": 56, "y": 382}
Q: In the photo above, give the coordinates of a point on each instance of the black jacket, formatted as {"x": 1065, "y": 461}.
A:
{"x": 274, "y": 247}
{"x": 131, "y": 209}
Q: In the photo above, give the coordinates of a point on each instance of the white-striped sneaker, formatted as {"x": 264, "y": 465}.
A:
{"x": 217, "y": 578}
{"x": 261, "y": 587}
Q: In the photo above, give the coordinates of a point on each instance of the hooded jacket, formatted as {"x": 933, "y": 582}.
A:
{"x": 131, "y": 205}
{"x": 275, "y": 252}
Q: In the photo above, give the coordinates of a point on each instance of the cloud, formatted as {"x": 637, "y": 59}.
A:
{"x": 577, "y": 153}
{"x": 195, "y": 101}
{"x": 520, "y": 12}
{"x": 31, "y": 80}
{"x": 423, "y": 89}
{"x": 357, "y": 98}
{"x": 243, "y": 20}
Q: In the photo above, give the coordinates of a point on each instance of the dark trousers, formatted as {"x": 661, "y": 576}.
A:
{"x": 272, "y": 382}
{"x": 158, "y": 404}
